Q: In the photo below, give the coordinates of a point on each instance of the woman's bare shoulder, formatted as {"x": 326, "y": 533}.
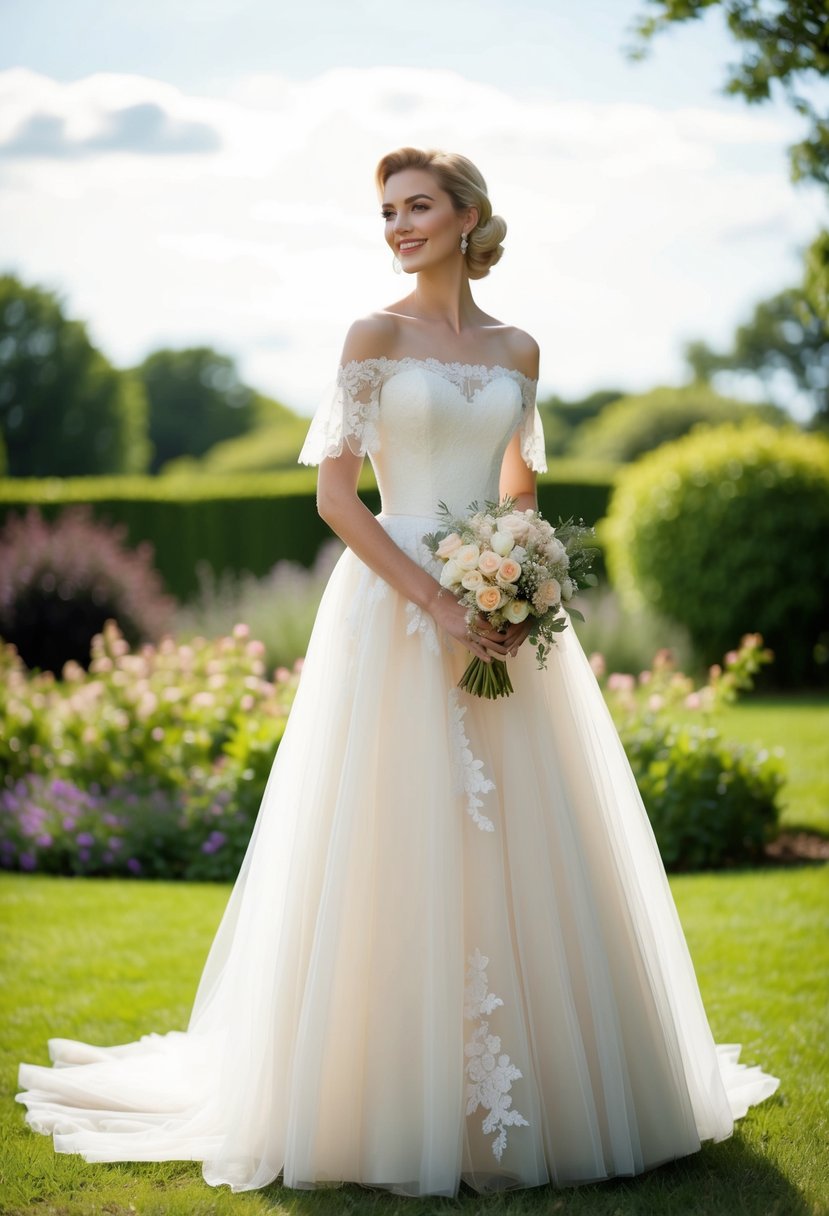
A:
{"x": 369, "y": 337}
{"x": 524, "y": 351}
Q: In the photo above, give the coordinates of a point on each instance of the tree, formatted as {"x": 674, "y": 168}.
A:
{"x": 64, "y": 409}
{"x": 785, "y": 43}
{"x": 196, "y": 400}
{"x": 784, "y": 334}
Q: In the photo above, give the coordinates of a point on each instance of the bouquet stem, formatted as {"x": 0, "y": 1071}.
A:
{"x": 486, "y": 679}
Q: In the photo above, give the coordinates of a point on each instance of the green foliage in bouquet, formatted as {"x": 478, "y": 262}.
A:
{"x": 711, "y": 802}
{"x": 728, "y": 530}
{"x": 61, "y": 580}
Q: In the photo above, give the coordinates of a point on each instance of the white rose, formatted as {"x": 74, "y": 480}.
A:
{"x": 473, "y": 580}
{"x": 467, "y": 557}
{"x": 502, "y": 542}
{"x": 451, "y": 574}
{"x": 516, "y": 611}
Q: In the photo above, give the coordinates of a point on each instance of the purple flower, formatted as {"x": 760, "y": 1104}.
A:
{"x": 44, "y": 840}
{"x": 85, "y": 839}
{"x": 27, "y": 861}
{"x": 83, "y": 854}
{"x": 134, "y": 865}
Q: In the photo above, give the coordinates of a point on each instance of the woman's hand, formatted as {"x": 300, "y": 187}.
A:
{"x": 482, "y": 639}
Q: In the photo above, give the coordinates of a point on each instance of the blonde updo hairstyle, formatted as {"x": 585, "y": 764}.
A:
{"x": 464, "y": 184}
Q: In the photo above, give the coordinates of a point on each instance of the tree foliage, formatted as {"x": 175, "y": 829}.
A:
{"x": 64, "y": 409}
{"x": 784, "y": 43}
{"x": 196, "y": 400}
{"x": 784, "y": 334}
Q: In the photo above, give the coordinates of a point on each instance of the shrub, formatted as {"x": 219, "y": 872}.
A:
{"x": 711, "y": 802}
{"x": 627, "y": 428}
{"x": 725, "y": 530}
{"x": 279, "y": 608}
{"x": 60, "y": 581}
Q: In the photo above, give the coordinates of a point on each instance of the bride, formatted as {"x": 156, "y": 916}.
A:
{"x": 451, "y": 952}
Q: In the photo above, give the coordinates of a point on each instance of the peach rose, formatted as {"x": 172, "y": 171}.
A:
{"x": 488, "y": 598}
{"x": 489, "y": 563}
{"x": 509, "y": 570}
{"x": 448, "y": 546}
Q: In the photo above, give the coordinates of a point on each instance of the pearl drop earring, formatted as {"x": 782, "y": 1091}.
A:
{"x": 464, "y": 243}
{"x": 397, "y": 265}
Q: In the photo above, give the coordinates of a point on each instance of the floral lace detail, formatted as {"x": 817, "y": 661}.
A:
{"x": 422, "y": 623}
{"x": 533, "y": 448}
{"x": 349, "y": 415}
{"x": 490, "y": 1073}
{"x": 468, "y": 774}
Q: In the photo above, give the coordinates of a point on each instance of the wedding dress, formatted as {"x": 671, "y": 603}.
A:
{"x": 451, "y": 952}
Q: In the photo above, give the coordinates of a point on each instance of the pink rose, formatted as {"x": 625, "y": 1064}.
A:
{"x": 489, "y": 563}
{"x": 509, "y": 570}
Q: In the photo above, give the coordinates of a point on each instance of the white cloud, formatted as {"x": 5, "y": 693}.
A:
{"x": 630, "y": 227}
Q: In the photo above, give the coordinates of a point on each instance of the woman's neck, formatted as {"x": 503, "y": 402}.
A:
{"x": 444, "y": 297}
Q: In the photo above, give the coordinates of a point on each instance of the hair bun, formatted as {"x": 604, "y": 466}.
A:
{"x": 485, "y": 248}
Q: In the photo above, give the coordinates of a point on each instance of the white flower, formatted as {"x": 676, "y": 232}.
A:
{"x": 473, "y": 580}
{"x": 567, "y": 589}
{"x": 502, "y": 542}
{"x": 516, "y": 611}
{"x": 467, "y": 556}
{"x": 451, "y": 574}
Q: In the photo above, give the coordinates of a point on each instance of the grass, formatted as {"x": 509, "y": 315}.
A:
{"x": 109, "y": 960}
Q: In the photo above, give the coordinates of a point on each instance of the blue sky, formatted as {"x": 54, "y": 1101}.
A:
{"x": 201, "y": 171}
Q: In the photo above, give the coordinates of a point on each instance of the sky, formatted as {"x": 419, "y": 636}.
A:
{"x": 196, "y": 172}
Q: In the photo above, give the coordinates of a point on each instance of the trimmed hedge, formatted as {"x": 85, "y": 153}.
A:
{"x": 725, "y": 531}
{"x": 248, "y": 522}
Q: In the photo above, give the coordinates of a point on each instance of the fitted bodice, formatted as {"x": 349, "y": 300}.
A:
{"x": 434, "y": 431}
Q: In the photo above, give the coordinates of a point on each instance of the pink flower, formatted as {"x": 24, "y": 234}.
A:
{"x": 598, "y": 664}
{"x": 620, "y": 681}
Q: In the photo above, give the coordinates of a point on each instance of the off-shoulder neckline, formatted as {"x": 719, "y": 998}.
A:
{"x": 474, "y": 369}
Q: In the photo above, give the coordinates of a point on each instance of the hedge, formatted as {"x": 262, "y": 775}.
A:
{"x": 249, "y": 522}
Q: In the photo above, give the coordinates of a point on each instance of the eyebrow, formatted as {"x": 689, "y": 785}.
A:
{"x": 412, "y": 198}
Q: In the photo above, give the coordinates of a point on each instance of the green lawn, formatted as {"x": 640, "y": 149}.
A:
{"x": 799, "y": 725}
{"x": 108, "y": 960}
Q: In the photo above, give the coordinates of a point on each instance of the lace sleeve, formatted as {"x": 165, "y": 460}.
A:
{"x": 348, "y": 413}
{"x": 532, "y": 431}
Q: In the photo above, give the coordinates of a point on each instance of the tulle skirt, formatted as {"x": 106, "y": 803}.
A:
{"x": 451, "y": 952}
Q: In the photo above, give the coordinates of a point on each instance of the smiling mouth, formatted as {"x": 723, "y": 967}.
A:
{"x": 409, "y": 247}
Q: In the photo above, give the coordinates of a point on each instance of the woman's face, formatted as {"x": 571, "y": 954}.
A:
{"x": 421, "y": 223}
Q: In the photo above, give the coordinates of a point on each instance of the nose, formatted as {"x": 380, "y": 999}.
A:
{"x": 402, "y": 222}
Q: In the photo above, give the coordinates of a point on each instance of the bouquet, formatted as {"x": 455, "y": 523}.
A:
{"x": 508, "y": 565}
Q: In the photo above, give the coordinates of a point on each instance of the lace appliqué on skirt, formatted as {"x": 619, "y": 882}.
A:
{"x": 468, "y": 771}
{"x": 371, "y": 589}
{"x": 422, "y": 623}
{"x": 490, "y": 1072}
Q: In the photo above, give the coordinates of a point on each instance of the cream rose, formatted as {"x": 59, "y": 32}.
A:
{"x": 467, "y": 556}
{"x": 488, "y": 598}
{"x": 516, "y": 611}
{"x": 449, "y": 545}
{"x": 517, "y": 525}
{"x": 489, "y": 563}
{"x": 509, "y": 570}
{"x": 472, "y": 580}
{"x": 502, "y": 542}
{"x": 547, "y": 594}
{"x": 451, "y": 574}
